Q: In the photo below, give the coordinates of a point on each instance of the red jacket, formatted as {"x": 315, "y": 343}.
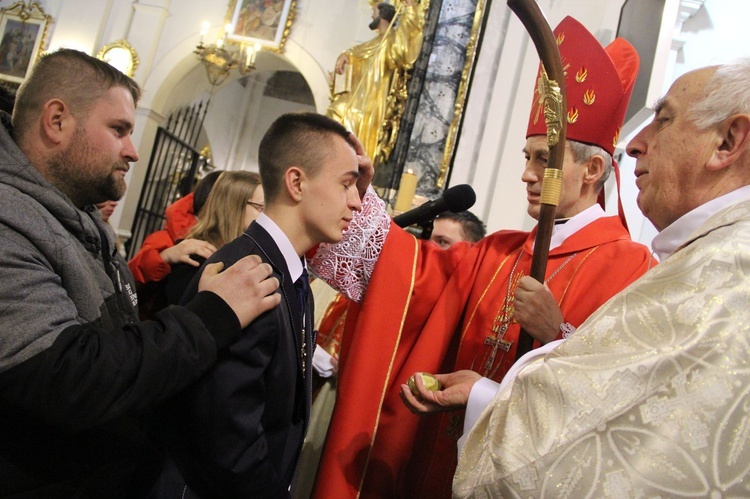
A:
{"x": 147, "y": 265}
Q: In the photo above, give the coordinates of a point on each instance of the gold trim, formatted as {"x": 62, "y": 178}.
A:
{"x": 551, "y": 186}
{"x": 121, "y": 44}
{"x": 551, "y": 98}
{"x": 563, "y": 295}
{"x": 476, "y": 306}
{"x": 390, "y": 367}
{"x": 264, "y": 44}
{"x": 463, "y": 88}
{"x": 28, "y": 12}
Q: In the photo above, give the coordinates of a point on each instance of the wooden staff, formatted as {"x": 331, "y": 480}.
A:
{"x": 551, "y": 88}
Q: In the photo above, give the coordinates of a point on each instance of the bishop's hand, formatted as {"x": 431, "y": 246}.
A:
{"x": 536, "y": 310}
{"x": 366, "y": 170}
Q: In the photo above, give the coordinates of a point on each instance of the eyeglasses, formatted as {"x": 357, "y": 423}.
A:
{"x": 258, "y": 206}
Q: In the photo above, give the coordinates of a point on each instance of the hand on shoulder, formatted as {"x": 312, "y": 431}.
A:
{"x": 246, "y": 287}
{"x": 180, "y": 252}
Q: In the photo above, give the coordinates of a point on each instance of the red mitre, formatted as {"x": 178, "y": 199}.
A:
{"x": 598, "y": 82}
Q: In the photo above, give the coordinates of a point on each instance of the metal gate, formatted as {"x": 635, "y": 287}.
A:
{"x": 174, "y": 167}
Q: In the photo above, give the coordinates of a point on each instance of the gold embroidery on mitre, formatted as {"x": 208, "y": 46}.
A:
{"x": 582, "y": 74}
{"x": 561, "y": 38}
{"x": 589, "y": 97}
{"x": 616, "y": 139}
{"x": 572, "y": 115}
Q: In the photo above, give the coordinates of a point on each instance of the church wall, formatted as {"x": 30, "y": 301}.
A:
{"x": 235, "y": 126}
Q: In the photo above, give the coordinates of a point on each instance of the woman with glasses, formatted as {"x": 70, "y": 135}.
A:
{"x": 235, "y": 201}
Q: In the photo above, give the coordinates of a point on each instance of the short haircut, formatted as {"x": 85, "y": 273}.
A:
{"x": 583, "y": 152}
{"x": 386, "y": 11}
{"x": 472, "y": 228}
{"x": 72, "y": 76}
{"x": 296, "y": 139}
{"x": 222, "y": 218}
{"x": 727, "y": 92}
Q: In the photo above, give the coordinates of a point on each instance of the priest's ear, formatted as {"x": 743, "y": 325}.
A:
{"x": 732, "y": 140}
{"x": 594, "y": 169}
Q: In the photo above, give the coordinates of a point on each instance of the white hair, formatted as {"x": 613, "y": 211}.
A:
{"x": 727, "y": 92}
{"x": 583, "y": 152}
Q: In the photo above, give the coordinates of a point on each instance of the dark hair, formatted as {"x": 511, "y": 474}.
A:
{"x": 295, "y": 139}
{"x": 386, "y": 11}
{"x": 7, "y": 100}
{"x": 72, "y": 76}
{"x": 473, "y": 229}
{"x": 203, "y": 189}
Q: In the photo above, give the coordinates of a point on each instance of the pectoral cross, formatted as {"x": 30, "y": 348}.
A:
{"x": 496, "y": 342}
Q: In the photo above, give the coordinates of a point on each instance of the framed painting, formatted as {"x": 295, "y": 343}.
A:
{"x": 260, "y": 23}
{"x": 23, "y": 28}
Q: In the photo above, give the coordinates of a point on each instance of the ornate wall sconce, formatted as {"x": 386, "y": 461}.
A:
{"x": 220, "y": 58}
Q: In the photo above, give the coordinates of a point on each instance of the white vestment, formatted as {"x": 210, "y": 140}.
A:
{"x": 649, "y": 398}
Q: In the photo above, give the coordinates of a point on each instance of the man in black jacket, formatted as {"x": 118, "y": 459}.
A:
{"x": 77, "y": 369}
{"x": 248, "y": 443}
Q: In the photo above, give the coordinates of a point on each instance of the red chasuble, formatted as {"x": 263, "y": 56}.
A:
{"x": 433, "y": 310}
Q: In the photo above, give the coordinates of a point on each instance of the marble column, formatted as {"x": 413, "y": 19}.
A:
{"x": 435, "y": 112}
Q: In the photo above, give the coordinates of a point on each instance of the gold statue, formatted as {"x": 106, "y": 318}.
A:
{"x": 368, "y": 89}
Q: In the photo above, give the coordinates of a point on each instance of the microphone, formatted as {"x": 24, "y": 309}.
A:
{"x": 457, "y": 198}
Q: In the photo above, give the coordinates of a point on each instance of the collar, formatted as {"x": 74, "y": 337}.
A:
{"x": 675, "y": 235}
{"x": 293, "y": 261}
{"x": 560, "y": 232}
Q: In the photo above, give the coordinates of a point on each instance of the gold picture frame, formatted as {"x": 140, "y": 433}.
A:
{"x": 23, "y": 31}
{"x": 261, "y": 22}
{"x": 121, "y": 55}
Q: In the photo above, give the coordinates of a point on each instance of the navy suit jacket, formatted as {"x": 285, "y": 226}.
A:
{"x": 239, "y": 431}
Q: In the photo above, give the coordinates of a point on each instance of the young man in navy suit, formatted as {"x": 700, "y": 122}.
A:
{"x": 240, "y": 430}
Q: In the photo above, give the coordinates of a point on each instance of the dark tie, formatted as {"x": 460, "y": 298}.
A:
{"x": 302, "y": 285}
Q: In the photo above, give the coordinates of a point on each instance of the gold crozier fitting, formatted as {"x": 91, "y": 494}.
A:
{"x": 549, "y": 91}
{"x": 551, "y": 186}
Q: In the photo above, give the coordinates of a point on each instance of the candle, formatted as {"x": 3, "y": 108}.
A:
{"x": 255, "y": 52}
{"x": 406, "y": 190}
{"x": 227, "y": 31}
{"x": 204, "y": 29}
